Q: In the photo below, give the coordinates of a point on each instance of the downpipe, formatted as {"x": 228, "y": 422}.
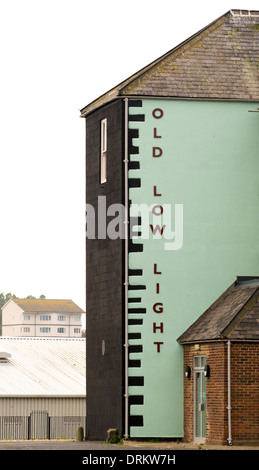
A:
{"x": 229, "y": 439}
{"x": 126, "y": 276}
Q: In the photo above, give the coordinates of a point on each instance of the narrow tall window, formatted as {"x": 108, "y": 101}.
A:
{"x": 103, "y": 162}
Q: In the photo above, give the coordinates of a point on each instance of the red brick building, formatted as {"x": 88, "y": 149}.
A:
{"x": 221, "y": 367}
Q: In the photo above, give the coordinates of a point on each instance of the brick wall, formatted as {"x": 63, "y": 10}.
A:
{"x": 244, "y": 392}
{"x": 216, "y": 430}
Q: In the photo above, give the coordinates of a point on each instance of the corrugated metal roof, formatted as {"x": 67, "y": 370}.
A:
{"x": 48, "y": 305}
{"x": 43, "y": 367}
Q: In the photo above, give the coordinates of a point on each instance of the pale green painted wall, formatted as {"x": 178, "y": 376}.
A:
{"x": 210, "y": 164}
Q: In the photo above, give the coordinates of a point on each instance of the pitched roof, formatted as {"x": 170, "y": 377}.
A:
{"x": 48, "y": 305}
{"x": 234, "y": 315}
{"x": 218, "y": 62}
{"x": 43, "y": 367}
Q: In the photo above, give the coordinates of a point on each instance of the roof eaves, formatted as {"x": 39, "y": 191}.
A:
{"x": 49, "y": 395}
{"x": 200, "y": 341}
{"x": 101, "y": 101}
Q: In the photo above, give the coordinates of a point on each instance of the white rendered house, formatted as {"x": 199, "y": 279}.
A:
{"x": 41, "y": 317}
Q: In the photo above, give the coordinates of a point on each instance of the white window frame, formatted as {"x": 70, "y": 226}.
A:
{"x": 199, "y": 363}
{"x": 103, "y": 157}
{"x": 61, "y": 317}
{"x": 45, "y": 317}
{"x": 61, "y": 330}
{"x": 45, "y": 329}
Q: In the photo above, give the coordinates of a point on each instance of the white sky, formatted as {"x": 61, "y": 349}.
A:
{"x": 56, "y": 57}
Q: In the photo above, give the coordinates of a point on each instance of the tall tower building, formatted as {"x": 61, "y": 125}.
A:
{"x": 172, "y": 218}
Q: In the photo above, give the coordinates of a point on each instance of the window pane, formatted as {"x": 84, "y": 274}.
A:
{"x": 61, "y": 318}
{"x": 103, "y": 156}
{"x": 103, "y": 168}
{"x": 104, "y": 135}
{"x": 61, "y": 330}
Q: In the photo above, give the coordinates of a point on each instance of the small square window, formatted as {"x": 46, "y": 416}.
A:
{"x": 103, "y": 157}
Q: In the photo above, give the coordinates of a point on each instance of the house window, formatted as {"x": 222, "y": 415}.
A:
{"x": 26, "y": 329}
{"x": 103, "y": 162}
{"x": 76, "y": 330}
{"x": 61, "y": 330}
{"x": 45, "y": 317}
{"x": 77, "y": 317}
{"x": 61, "y": 318}
{"x": 45, "y": 330}
{"x": 26, "y": 317}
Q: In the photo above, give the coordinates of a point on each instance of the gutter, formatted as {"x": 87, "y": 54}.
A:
{"x": 126, "y": 276}
{"x": 85, "y": 114}
{"x": 229, "y": 439}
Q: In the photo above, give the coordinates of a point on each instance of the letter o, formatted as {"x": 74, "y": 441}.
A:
{"x": 160, "y": 208}
{"x": 157, "y": 113}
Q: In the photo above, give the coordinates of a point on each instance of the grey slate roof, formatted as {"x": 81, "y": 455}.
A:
{"x": 234, "y": 315}
{"x": 219, "y": 62}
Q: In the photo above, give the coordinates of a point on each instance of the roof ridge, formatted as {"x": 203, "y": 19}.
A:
{"x": 235, "y": 12}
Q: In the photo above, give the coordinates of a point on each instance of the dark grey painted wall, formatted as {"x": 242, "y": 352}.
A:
{"x": 104, "y": 281}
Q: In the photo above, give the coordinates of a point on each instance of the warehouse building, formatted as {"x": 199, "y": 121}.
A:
{"x": 42, "y": 387}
